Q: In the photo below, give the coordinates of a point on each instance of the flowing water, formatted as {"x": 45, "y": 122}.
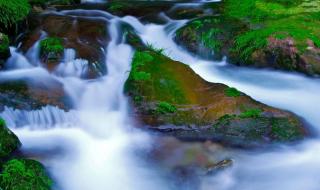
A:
{"x": 94, "y": 146}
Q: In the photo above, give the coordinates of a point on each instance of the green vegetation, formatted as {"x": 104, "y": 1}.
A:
{"x": 55, "y": 2}
{"x": 13, "y": 11}
{"x": 296, "y": 19}
{"x": 20, "y": 174}
{"x": 150, "y": 78}
{"x": 165, "y": 107}
{"x": 232, "y": 92}
{"x": 51, "y": 45}
{"x": 251, "y": 113}
{"x": 116, "y": 6}
{"x": 9, "y": 142}
{"x": 4, "y": 43}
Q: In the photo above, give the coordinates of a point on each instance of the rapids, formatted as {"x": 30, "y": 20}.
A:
{"x": 94, "y": 146}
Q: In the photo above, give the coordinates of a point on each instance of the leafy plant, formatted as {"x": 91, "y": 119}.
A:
{"x": 20, "y": 174}
{"x": 13, "y": 11}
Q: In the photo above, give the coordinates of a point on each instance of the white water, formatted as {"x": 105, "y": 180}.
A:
{"x": 293, "y": 168}
{"x": 94, "y": 146}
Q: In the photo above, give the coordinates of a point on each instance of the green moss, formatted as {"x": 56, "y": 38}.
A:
{"x": 165, "y": 107}
{"x": 53, "y": 2}
{"x": 22, "y": 174}
{"x": 13, "y": 11}
{"x": 280, "y": 19}
{"x": 150, "y": 79}
{"x": 51, "y": 45}
{"x": 232, "y": 92}
{"x": 251, "y": 113}
{"x": 9, "y": 142}
{"x": 116, "y": 6}
{"x": 4, "y": 43}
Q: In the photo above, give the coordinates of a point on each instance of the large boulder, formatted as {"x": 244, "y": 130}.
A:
{"x": 169, "y": 97}
{"x": 9, "y": 142}
{"x": 283, "y": 37}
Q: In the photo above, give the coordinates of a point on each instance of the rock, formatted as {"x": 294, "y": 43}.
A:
{"x": 266, "y": 38}
{"x": 24, "y": 174}
{"x": 33, "y": 95}
{"x": 9, "y": 142}
{"x": 169, "y": 97}
{"x": 87, "y": 36}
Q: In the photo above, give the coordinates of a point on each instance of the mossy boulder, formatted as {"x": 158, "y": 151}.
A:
{"x": 169, "y": 97}
{"x": 22, "y": 174}
{"x": 9, "y": 142}
{"x": 259, "y": 33}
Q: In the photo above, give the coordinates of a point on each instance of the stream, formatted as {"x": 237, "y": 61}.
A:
{"x": 95, "y": 145}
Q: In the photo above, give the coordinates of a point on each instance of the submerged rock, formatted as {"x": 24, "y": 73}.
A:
{"x": 9, "y": 142}
{"x": 24, "y": 174}
{"x": 89, "y": 38}
{"x": 169, "y": 97}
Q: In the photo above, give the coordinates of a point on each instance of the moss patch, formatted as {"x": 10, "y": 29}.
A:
{"x": 21, "y": 174}
{"x": 51, "y": 45}
{"x": 232, "y": 92}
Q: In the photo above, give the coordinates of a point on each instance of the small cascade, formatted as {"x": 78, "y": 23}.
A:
{"x": 17, "y": 60}
{"x": 72, "y": 66}
{"x": 46, "y": 117}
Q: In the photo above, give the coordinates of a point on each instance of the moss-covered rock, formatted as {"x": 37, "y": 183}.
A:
{"x": 168, "y": 96}
{"x": 20, "y": 174}
{"x": 259, "y": 33}
{"x": 9, "y": 142}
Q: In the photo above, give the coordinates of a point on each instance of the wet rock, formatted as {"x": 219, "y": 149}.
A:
{"x": 24, "y": 174}
{"x": 28, "y": 95}
{"x": 169, "y": 97}
{"x": 9, "y": 142}
{"x": 88, "y": 37}
{"x": 171, "y": 153}
{"x": 246, "y": 42}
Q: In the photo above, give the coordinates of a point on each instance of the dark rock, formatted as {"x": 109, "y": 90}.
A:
{"x": 9, "y": 142}
{"x": 87, "y": 36}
